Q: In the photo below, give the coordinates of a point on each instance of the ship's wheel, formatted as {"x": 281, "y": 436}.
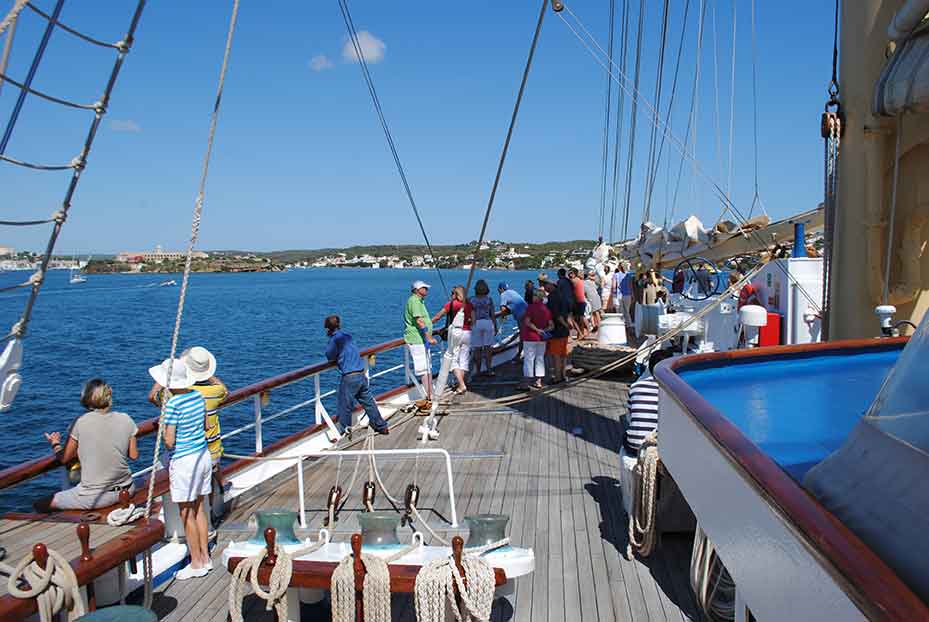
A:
{"x": 700, "y": 271}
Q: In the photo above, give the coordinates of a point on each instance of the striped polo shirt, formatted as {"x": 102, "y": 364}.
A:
{"x": 187, "y": 412}
{"x": 643, "y": 413}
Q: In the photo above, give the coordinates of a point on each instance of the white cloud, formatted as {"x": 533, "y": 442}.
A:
{"x": 372, "y": 48}
{"x": 127, "y": 125}
{"x": 321, "y": 62}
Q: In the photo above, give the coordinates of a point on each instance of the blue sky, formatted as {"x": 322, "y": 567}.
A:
{"x": 300, "y": 161}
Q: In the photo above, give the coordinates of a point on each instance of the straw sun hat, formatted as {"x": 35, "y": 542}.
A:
{"x": 200, "y": 362}
{"x": 180, "y": 376}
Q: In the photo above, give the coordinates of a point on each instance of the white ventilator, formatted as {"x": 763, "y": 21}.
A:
{"x": 10, "y": 380}
{"x": 428, "y": 429}
{"x": 752, "y": 318}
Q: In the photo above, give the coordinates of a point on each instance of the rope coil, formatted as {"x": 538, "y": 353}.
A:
{"x": 55, "y": 588}
{"x": 642, "y": 532}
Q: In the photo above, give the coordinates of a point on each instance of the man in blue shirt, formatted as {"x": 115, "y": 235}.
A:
{"x": 511, "y": 303}
{"x": 353, "y": 389}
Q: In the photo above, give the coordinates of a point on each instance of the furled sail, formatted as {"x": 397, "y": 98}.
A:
{"x": 876, "y": 482}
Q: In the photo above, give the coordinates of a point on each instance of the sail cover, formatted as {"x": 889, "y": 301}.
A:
{"x": 904, "y": 82}
{"x": 876, "y": 482}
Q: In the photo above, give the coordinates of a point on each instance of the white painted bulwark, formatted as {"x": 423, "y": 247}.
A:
{"x": 777, "y": 574}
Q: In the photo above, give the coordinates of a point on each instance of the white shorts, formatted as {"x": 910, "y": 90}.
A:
{"x": 461, "y": 358}
{"x": 190, "y": 476}
{"x": 421, "y": 360}
{"x": 482, "y": 334}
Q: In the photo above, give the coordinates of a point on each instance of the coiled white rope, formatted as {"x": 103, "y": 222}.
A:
{"x": 376, "y": 593}
{"x": 124, "y": 516}
{"x": 434, "y": 592}
{"x": 55, "y": 588}
{"x": 642, "y": 532}
{"x": 276, "y": 595}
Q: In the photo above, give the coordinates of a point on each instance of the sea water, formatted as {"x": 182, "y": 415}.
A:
{"x": 258, "y": 325}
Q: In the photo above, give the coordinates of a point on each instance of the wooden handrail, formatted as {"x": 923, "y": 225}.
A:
{"x": 27, "y": 470}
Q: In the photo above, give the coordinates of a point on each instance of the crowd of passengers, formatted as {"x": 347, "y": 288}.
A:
{"x": 101, "y": 442}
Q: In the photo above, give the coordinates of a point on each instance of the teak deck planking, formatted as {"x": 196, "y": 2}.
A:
{"x": 560, "y": 489}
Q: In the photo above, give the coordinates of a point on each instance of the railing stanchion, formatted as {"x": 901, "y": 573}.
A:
{"x": 319, "y": 400}
{"x": 259, "y": 444}
{"x": 300, "y": 492}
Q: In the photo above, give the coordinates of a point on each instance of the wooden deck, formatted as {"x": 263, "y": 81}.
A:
{"x": 550, "y": 463}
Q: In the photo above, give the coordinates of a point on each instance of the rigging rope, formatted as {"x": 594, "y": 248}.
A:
{"x": 634, "y": 114}
{"x": 831, "y": 131}
{"x": 606, "y": 123}
{"x": 8, "y": 43}
{"x": 690, "y": 134}
{"x": 506, "y": 142}
{"x": 30, "y": 76}
{"x": 735, "y": 23}
{"x": 677, "y": 69}
{"x": 19, "y": 329}
{"x": 376, "y": 101}
{"x": 72, "y": 31}
{"x": 655, "y": 117}
{"x": 194, "y": 233}
{"x": 652, "y": 170}
{"x": 10, "y": 20}
{"x": 621, "y": 96}
{"x": 757, "y": 198}
{"x": 889, "y": 248}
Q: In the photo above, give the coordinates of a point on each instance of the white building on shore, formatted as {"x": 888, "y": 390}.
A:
{"x": 158, "y": 255}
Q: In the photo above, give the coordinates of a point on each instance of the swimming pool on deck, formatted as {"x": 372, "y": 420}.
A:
{"x": 797, "y": 410}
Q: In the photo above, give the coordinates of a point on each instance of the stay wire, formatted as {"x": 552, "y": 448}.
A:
{"x": 72, "y": 31}
{"x": 634, "y": 114}
{"x": 690, "y": 143}
{"x": 730, "y": 161}
{"x": 654, "y": 117}
{"x": 606, "y": 123}
{"x": 506, "y": 142}
{"x": 652, "y": 170}
{"x": 677, "y": 70}
{"x": 834, "y": 84}
{"x": 756, "y": 200}
{"x": 369, "y": 81}
{"x": 621, "y": 97}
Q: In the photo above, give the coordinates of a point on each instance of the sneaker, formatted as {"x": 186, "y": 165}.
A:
{"x": 189, "y": 572}
{"x": 209, "y": 566}
{"x": 385, "y": 431}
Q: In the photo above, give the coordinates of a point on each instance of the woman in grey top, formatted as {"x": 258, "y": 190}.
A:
{"x": 104, "y": 442}
{"x": 594, "y": 302}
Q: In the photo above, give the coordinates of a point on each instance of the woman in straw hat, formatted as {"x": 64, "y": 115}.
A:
{"x": 190, "y": 469}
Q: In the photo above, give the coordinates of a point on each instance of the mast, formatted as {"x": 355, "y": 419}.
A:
{"x": 866, "y": 172}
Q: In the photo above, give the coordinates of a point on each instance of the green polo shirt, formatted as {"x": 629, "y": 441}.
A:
{"x": 414, "y": 308}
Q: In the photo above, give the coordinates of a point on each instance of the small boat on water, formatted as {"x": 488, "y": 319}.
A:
{"x": 168, "y": 283}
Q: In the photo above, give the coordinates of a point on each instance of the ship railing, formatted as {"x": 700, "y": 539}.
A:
{"x": 255, "y": 392}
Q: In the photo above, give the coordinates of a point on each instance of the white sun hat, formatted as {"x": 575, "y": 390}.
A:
{"x": 420, "y": 285}
{"x": 181, "y": 378}
{"x": 200, "y": 362}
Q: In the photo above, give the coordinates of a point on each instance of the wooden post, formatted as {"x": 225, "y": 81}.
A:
{"x": 359, "y": 569}
{"x": 83, "y": 534}
{"x": 124, "y": 496}
{"x": 457, "y": 548}
{"x": 40, "y": 554}
{"x": 270, "y": 538}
